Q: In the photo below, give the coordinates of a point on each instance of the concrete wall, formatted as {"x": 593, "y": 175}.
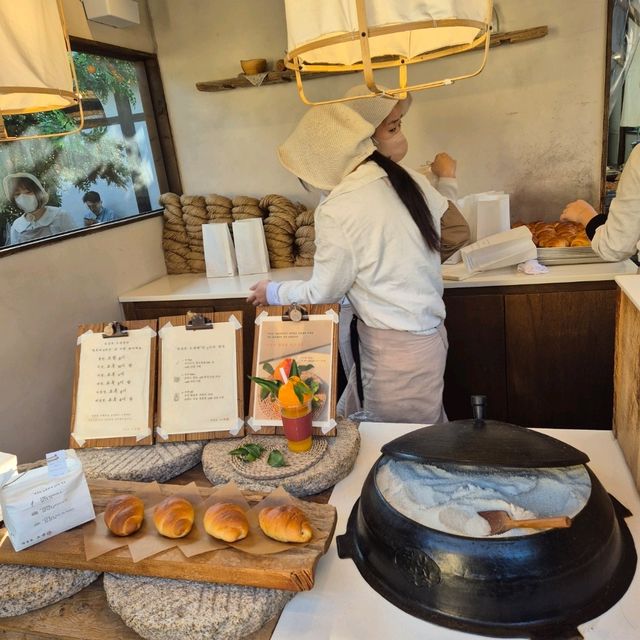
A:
{"x": 530, "y": 124}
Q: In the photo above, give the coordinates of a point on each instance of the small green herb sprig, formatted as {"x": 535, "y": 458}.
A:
{"x": 251, "y": 452}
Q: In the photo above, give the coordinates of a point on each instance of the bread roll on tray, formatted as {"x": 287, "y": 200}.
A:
{"x": 285, "y": 523}
{"x": 124, "y": 515}
{"x": 226, "y": 521}
{"x": 174, "y": 517}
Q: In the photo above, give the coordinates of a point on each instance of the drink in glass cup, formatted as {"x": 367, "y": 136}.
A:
{"x": 296, "y": 413}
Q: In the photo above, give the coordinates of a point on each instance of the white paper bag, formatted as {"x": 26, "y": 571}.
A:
{"x": 492, "y": 214}
{"x": 219, "y": 254}
{"x": 46, "y": 501}
{"x": 251, "y": 246}
{"x": 500, "y": 250}
{"x": 469, "y": 208}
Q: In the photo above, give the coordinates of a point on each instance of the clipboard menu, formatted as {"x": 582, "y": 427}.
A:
{"x": 200, "y": 377}
{"x": 307, "y": 336}
{"x": 114, "y": 385}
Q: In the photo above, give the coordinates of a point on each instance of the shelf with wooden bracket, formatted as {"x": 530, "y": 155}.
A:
{"x": 283, "y": 77}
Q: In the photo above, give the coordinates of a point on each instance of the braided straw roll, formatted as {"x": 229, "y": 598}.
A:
{"x": 305, "y": 246}
{"x": 218, "y": 208}
{"x": 175, "y": 242}
{"x": 194, "y": 215}
{"x": 245, "y": 207}
{"x": 279, "y": 230}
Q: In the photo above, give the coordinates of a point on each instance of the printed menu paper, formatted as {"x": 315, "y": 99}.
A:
{"x": 310, "y": 343}
{"x": 113, "y": 386}
{"x": 199, "y": 379}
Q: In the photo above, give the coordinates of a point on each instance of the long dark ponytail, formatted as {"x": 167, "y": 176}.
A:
{"x": 412, "y": 197}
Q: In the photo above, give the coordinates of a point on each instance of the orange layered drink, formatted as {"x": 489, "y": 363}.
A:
{"x": 295, "y": 398}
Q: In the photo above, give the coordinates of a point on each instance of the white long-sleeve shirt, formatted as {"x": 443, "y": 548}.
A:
{"x": 618, "y": 238}
{"x": 369, "y": 248}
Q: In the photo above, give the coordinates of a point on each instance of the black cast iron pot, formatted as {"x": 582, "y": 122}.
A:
{"x": 539, "y": 586}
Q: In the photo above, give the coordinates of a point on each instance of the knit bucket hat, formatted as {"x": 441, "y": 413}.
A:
{"x": 9, "y": 181}
{"x": 331, "y": 140}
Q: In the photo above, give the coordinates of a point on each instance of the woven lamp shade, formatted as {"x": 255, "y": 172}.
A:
{"x": 350, "y": 35}
{"x": 37, "y": 72}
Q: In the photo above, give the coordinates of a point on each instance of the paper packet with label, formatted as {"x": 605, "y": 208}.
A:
{"x": 43, "y": 502}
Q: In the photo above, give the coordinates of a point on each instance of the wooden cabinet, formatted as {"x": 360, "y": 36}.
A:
{"x": 542, "y": 354}
{"x": 626, "y": 412}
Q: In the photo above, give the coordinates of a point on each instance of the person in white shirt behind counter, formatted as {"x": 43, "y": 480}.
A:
{"x": 38, "y": 220}
{"x": 377, "y": 242}
{"x": 615, "y": 236}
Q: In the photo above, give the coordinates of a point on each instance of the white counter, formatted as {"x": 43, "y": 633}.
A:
{"x": 342, "y": 606}
{"x": 631, "y": 288}
{"x": 196, "y": 286}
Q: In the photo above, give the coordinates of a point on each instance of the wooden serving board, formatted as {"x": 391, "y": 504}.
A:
{"x": 291, "y": 570}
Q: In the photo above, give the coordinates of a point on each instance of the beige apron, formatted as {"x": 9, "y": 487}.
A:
{"x": 402, "y": 376}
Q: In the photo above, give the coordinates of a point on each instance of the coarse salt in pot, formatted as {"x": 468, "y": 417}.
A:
{"x": 416, "y": 537}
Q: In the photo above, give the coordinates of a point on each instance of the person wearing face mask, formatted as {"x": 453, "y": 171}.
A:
{"x": 441, "y": 172}
{"x": 38, "y": 220}
{"x": 377, "y": 242}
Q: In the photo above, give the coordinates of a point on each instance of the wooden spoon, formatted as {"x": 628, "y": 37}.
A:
{"x": 501, "y": 521}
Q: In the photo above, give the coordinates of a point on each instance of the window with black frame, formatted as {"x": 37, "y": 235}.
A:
{"x": 111, "y": 170}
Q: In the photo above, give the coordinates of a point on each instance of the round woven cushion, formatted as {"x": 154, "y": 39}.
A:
{"x": 334, "y": 465}
{"x": 161, "y": 609}
{"x": 24, "y": 588}
{"x": 159, "y": 462}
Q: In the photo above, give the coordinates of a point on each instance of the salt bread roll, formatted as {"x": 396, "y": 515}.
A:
{"x": 174, "y": 517}
{"x": 285, "y": 523}
{"x": 124, "y": 515}
{"x": 226, "y": 521}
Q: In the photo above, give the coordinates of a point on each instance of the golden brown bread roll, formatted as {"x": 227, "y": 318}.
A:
{"x": 226, "y": 521}
{"x": 285, "y": 523}
{"x": 174, "y": 517}
{"x": 124, "y": 515}
{"x": 581, "y": 241}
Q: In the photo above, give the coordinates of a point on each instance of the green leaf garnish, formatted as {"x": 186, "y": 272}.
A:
{"x": 305, "y": 367}
{"x": 294, "y": 371}
{"x": 264, "y": 392}
{"x": 248, "y": 452}
{"x": 268, "y": 368}
{"x": 271, "y": 386}
{"x": 276, "y": 459}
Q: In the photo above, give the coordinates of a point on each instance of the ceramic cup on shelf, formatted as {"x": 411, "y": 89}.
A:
{"x": 253, "y": 66}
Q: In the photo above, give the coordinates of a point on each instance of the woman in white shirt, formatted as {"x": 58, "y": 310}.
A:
{"x": 615, "y": 236}
{"x": 377, "y": 242}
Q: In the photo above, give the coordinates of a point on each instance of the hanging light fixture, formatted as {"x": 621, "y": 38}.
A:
{"x": 37, "y": 72}
{"x": 328, "y": 36}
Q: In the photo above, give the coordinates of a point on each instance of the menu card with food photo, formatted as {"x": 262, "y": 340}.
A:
{"x": 114, "y": 384}
{"x": 297, "y": 353}
{"x": 200, "y": 377}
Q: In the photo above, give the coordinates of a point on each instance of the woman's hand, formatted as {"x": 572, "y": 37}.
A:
{"x": 578, "y": 211}
{"x": 444, "y": 166}
{"x": 259, "y": 295}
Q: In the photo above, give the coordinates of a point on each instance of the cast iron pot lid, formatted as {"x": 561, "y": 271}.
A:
{"x": 484, "y": 443}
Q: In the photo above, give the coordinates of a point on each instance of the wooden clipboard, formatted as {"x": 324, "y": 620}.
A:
{"x": 183, "y": 320}
{"x": 332, "y": 312}
{"x": 115, "y": 441}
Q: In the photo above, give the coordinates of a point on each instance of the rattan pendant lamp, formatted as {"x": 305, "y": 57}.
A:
{"x": 37, "y": 72}
{"x": 328, "y": 36}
